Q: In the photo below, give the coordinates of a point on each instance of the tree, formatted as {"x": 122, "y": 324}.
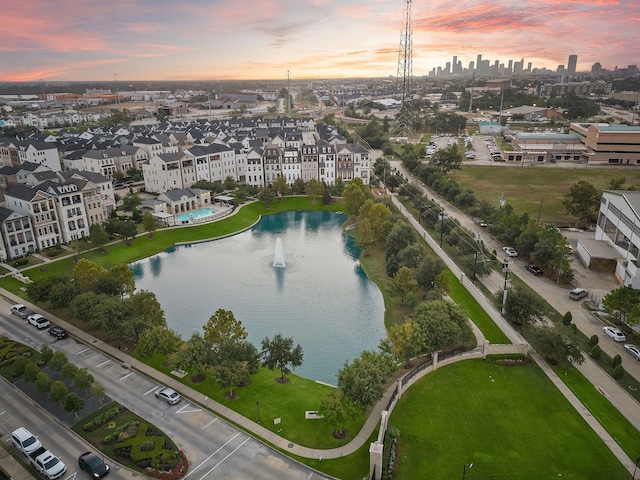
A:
{"x": 230, "y": 371}
{"x": 407, "y": 339}
{"x": 400, "y": 237}
{"x": 583, "y": 201}
{"x": 355, "y": 194}
{"x": 447, "y": 159}
{"x": 86, "y": 273}
{"x": 98, "y": 236}
{"x": 622, "y": 304}
{"x": 412, "y": 255}
{"x": 280, "y": 186}
{"x": 158, "y": 339}
{"x": 279, "y": 352}
{"x": 149, "y": 222}
{"x": 194, "y": 353}
{"x": 363, "y": 380}
{"x": 223, "y": 327}
{"x": 402, "y": 283}
{"x": 266, "y": 196}
{"x": 74, "y": 245}
{"x": 58, "y": 361}
{"x": 337, "y": 411}
{"x": 58, "y": 391}
{"x": 365, "y": 237}
{"x": 128, "y": 230}
{"x": 43, "y": 383}
{"x": 46, "y": 353}
{"x": 229, "y": 183}
{"x": 69, "y": 370}
{"x": 124, "y": 275}
{"x": 98, "y": 390}
{"x": 30, "y": 372}
{"x": 83, "y": 379}
{"x": 63, "y": 293}
{"x": 131, "y": 202}
{"x": 73, "y": 403}
{"x": 314, "y": 189}
{"x": 441, "y": 322}
{"x": 428, "y": 270}
{"x": 557, "y": 344}
{"x": 522, "y": 306}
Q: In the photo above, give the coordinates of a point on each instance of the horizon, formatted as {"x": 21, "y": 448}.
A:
{"x": 311, "y": 39}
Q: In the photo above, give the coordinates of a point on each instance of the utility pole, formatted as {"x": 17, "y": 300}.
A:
{"x": 441, "y": 225}
{"x": 288, "y": 92}
{"x": 115, "y": 79}
{"x": 475, "y": 262}
{"x": 505, "y": 269}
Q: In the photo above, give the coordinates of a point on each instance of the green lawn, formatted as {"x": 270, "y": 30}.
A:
{"x": 510, "y": 422}
{"x": 285, "y": 401}
{"x": 524, "y": 188}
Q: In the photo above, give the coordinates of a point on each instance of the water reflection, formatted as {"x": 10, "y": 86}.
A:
{"x": 322, "y": 298}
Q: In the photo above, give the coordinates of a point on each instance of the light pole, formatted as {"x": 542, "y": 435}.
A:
{"x": 464, "y": 469}
{"x": 505, "y": 269}
{"x": 441, "y": 225}
{"x": 635, "y": 469}
{"x": 258, "y": 407}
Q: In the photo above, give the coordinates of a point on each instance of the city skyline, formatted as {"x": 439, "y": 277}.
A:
{"x": 263, "y": 39}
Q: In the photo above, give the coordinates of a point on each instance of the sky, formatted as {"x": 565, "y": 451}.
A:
{"x": 82, "y": 40}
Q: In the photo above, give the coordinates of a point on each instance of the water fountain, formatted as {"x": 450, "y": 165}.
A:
{"x": 278, "y": 254}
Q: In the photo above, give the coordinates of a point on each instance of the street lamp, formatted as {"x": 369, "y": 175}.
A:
{"x": 464, "y": 470}
{"x": 635, "y": 469}
{"x": 258, "y": 407}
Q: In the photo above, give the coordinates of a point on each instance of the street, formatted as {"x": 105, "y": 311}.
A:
{"x": 214, "y": 448}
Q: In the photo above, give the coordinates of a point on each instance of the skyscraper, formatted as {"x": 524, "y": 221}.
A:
{"x": 571, "y": 64}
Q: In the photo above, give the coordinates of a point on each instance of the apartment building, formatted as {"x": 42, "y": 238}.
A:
{"x": 169, "y": 171}
{"x": 17, "y": 234}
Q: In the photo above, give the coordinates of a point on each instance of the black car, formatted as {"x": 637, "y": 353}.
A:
{"x": 58, "y": 332}
{"x": 533, "y": 269}
{"x": 93, "y": 464}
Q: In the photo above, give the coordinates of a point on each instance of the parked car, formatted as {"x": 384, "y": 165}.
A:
{"x": 21, "y": 310}
{"x": 25, "y": 441}
{"x": 92, "y": 463}
{"x": 533, "y": 269}
{"x": 169, "y": 395}
{"x": 632, "y": 350}
{"x": 58, "y": 332}
{"x": 480, "y": 222}
{"x": 615, "y": 333}
{"x": 38, "y": 321}
{"x": 578, "y": 294}
{"x": 510, "y": 251}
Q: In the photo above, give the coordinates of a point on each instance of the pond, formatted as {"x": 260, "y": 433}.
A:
{"x": 322, "y": 298}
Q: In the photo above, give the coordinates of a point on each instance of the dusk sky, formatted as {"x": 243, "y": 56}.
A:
{"x": 262, "y": 39}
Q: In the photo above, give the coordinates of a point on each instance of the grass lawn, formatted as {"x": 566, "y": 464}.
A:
{"x": 510, "y": 422}
{"x": 524, "y": 188}
{"x": 287, "y": 401}
{"x": 623, "y": 432}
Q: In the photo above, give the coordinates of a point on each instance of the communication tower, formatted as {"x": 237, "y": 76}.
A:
{"x": 404, "y": 123}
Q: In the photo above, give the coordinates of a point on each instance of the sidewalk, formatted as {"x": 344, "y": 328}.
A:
{"x": 619, "y": 398}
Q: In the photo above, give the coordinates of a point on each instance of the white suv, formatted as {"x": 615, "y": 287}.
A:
{"x": 25, "y": 441}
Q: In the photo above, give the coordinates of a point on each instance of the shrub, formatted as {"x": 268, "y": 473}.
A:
{"x": 113, "y": 436}
{"x": 618, "y": 372}
{"x": 147, "y": 446}
{"x": 596, "y": 352}
{"x": 566, "y": 319}
{"x": 593, "y": 341}
{"x": 102, "y": 419}
{"x": 615, "y": 361}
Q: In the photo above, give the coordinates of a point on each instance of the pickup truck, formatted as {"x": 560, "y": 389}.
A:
{"x": 21, "y": 310}
{"x": 47, "y": 464}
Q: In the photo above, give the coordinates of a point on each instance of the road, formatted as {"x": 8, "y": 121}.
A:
{"x": 597, "y": 283}
{"x": 215, "y": 449}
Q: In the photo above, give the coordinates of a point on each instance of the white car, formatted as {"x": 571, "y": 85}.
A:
{"x": 632, "y": 350}
{"x": 169, "y": 395}
{"x": 38, "y": 321}
{"x": 510, "y": 252}
{"x": 615, "y": 333}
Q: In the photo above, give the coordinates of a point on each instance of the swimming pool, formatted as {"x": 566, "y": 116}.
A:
{"x": 195, "y": 214}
